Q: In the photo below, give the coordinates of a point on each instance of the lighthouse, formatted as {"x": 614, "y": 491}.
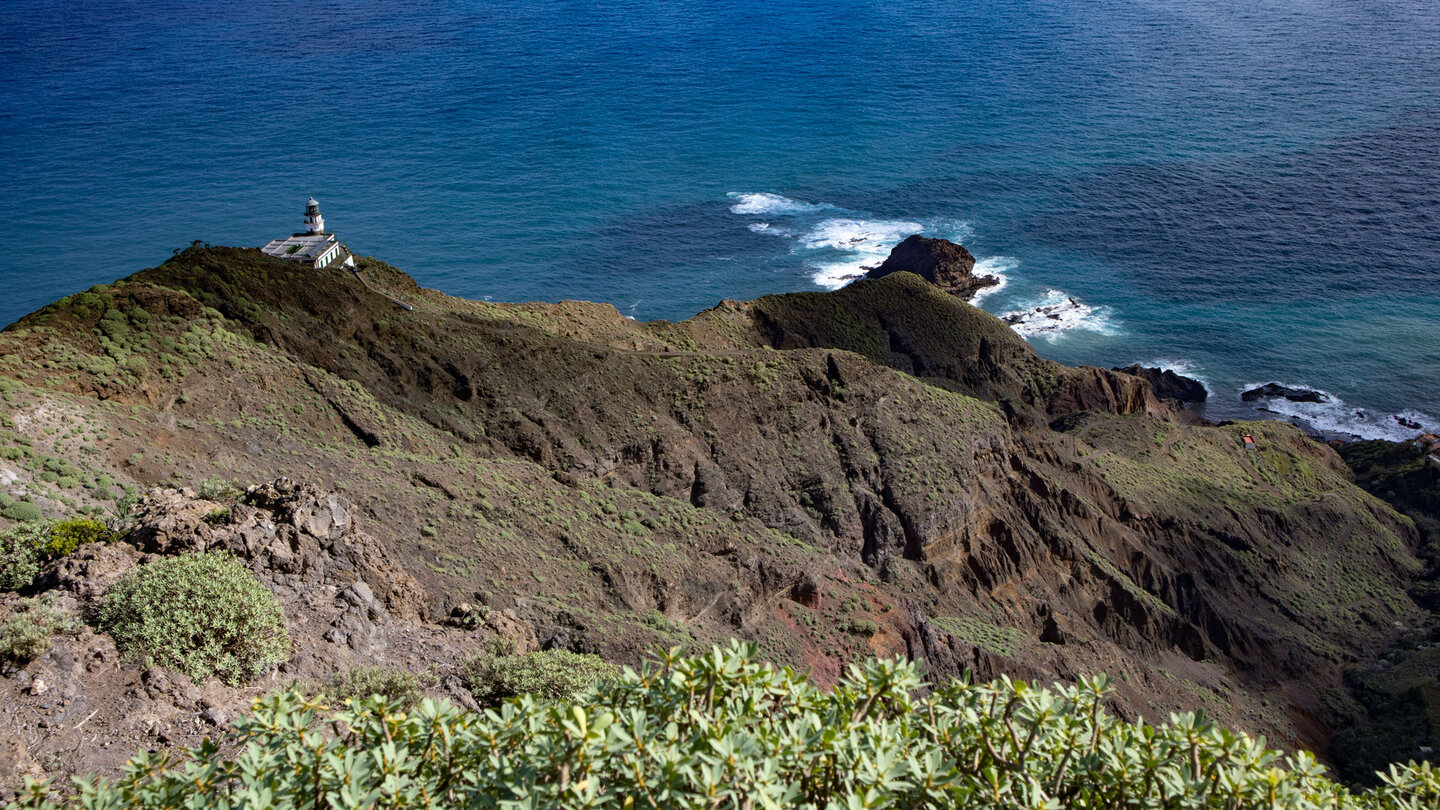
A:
{"x": 316, "y": 247}
{"x": 314, "y": 222}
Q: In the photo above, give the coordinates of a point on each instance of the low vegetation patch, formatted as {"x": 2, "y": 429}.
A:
{"x": 28, "y": 546}
{"x": 30, "y": 631}
{"x": 20, "y": 557}
{"x": 398, "y": 687}
{"x": 201, "y": 614}
{"x": 219, "y": 490}
{"x": 554, "y": 674}
{"x": 724, "y": 731}
{"x": 23, "y": 512}
{"x": 68, "y": 535}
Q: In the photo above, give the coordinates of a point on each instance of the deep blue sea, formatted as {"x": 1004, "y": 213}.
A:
{"x": 1247, "y": 190}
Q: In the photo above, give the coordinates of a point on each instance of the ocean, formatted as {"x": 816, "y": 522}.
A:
{"x": 1246, "y": 191}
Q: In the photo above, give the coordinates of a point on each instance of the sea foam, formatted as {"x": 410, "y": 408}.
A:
{"x": 863, "y": 243}
{"x": 1336, "y": 416}
{"x": 997, "y": 266}
{"x": 765, "y": 204}
{"x": 837, "y": 245}
{"x": 1057, "y": 313}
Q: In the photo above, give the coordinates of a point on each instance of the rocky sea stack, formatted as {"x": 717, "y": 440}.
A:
{"x": 939, "y": 261}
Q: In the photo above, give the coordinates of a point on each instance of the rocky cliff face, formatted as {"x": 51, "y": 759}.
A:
{"x": 1169, "y": 385}
{"x": 881, "y": 470}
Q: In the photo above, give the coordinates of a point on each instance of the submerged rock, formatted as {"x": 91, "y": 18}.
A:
{"x": 939, "y": 261}
{"x": 1276, "y": 390}
{"x": 1168, "y": 384}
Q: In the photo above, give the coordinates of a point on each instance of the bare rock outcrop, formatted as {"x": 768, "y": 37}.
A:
{"x": 283, "y": 529}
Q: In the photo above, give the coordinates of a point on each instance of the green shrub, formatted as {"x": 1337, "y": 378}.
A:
{"x": 29, "y": 633}
{"x": 723, "y": 731}
{"x": 28, "y": 546}
{"x": 202, "y": 614}
{"x": 67, "y": 482}
{"x": 20, "y": 555}
{"x": 862, "y": 627}
{"x": 68, "y": 535}
{"x": 23, "y": 512}
{"x": 216, "y": 488}
{"x": 126, "y": 504}
{"x": 553, "y": 674}
{"x": 399, "y": 687}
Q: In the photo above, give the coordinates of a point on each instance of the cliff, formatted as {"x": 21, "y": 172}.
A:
{"x": 881, "y": 470}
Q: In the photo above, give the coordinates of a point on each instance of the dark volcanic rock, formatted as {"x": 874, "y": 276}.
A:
{"x": 1168, "y": 384}
{"x": 1278, "y": 390}
{"x": 941, "y": 262}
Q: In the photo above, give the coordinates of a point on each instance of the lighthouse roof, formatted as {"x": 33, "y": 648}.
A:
{"x": 300, "y": 247}
{"x": 312, "y": 201}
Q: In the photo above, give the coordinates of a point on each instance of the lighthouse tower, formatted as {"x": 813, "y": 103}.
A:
{"x": 314, "y": 222}
{"x": 316, "y": 247}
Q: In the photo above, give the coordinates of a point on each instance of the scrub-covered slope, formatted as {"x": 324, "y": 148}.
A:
{"x": 881, "y": 470}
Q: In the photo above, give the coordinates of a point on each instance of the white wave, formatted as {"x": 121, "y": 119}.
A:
{"x": 859, "y": 234}
{"x": 845, "y": 246}
{"x": 1336, "y": 416}
{"x": 765, "y": 203}
{"x": 1056, "y": 314}
{"x": 868, "y": 243}
{"x": 997, "y": 266}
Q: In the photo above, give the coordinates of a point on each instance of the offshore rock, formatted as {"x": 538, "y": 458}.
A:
{"x": 1272, "y": 390}
{"x": 1168, "y": 384}
{"x": 939, "y": 261}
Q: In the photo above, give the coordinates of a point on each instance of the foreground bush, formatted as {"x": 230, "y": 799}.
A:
{"x": 200, "y": 614}
{"x": 722, "y": 731}
{"x": 492, "y": 676}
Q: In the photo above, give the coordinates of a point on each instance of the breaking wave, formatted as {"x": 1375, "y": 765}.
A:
{"x": 1056, "y": 314}
{"x": 997, "y": 266}
{"x": 838, "y": 245}
{"x": 1335, "y": 416}
{"x": 766, "y": 204}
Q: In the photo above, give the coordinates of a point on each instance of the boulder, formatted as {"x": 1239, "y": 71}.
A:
{"x": 939, "y": 261}
{"x": 1168, "y": 384}
{"x": 1278, "y": 391}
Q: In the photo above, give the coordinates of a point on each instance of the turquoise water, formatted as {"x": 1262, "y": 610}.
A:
{"x": 1247, "y": 190}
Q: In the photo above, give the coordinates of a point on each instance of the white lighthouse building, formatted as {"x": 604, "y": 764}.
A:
{"x": 315, "y": 247}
